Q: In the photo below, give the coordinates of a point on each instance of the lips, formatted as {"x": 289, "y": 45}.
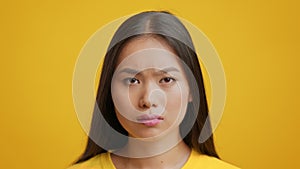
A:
{"x": 150, "y": 119}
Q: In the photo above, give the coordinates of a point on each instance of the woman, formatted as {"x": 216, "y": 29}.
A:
{"x": 151, "y": 104}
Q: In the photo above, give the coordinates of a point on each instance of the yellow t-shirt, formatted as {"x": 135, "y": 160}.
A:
{"x": 195, "y": 161}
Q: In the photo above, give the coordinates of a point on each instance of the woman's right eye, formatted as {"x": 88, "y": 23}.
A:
{"x": 131, "y": 81}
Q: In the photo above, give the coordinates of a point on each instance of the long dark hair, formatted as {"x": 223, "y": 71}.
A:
{"x": 167, "y": 26}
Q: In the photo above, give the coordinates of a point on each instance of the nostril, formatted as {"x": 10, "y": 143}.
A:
{"x": 144, "y": 103}
{"x": 154, "y": 105}
{"x": 145, "y": 106}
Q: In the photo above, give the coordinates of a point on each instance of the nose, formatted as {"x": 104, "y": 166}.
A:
{"x": 147, "y": 96}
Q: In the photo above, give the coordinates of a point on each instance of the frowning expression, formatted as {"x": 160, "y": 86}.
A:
{"x": 149, "y": 88}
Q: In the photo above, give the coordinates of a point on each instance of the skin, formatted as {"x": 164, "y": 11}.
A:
{"x": 150, "y": 91}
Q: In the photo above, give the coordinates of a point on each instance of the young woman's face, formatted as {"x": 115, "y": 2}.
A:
{"x": 149, "y": 88}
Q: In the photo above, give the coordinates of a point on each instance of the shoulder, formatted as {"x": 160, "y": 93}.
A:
{"x": 197, "y": 160}
{"x": 100, "y": 161}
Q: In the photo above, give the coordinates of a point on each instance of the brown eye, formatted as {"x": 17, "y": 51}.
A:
{"x": 131, "y": 81}
{"x": 167, "y": 80}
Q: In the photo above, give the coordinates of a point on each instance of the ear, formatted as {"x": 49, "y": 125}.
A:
{"x": 190, "y": 99}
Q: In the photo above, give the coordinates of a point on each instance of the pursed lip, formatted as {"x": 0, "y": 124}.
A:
{"x": 148, "y": 117}
{"x": 150, "y": 120}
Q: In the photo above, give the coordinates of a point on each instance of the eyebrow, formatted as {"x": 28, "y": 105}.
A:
{"x": 134, "y": 72}
{"x": 129, "y": 71}
{"x": 170, "y": 69}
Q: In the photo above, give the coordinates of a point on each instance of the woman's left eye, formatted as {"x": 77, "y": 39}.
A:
{"x": 167, "y": 80}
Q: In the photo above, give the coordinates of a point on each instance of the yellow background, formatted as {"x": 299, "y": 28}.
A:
{"x": 258, "y": 43}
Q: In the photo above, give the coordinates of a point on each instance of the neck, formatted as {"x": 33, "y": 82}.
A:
{"x": 166, "y": 152}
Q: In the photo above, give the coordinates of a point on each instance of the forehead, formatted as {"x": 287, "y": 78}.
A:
{"x": 147, "y": 52}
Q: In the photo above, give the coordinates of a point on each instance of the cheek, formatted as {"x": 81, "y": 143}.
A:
{"x": 123, "y": 103}
{"x": 121, "y": 119}
{"x": 177, "y": 101}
